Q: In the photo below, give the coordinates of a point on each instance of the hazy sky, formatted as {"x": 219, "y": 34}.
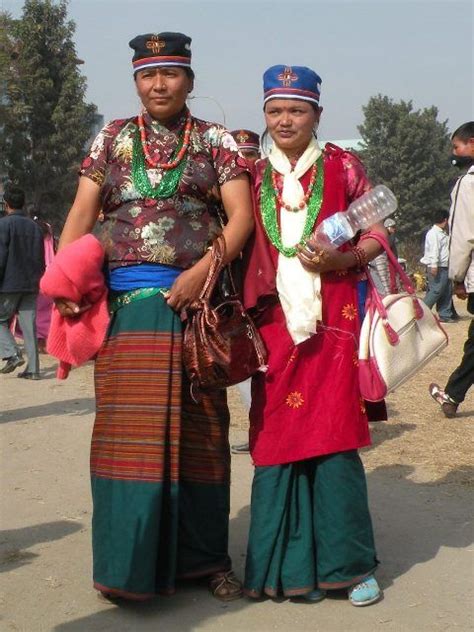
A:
{"x": 421, "y": 50}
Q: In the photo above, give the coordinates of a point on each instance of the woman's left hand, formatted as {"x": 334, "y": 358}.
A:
{"x": 316, "y": 259}
{"x": 186, "y": 288}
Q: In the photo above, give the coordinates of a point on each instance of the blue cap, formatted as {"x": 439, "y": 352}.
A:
{"x": 291, "y": 82}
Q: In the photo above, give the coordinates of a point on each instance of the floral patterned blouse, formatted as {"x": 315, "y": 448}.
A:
{"x": 176, "y": 230}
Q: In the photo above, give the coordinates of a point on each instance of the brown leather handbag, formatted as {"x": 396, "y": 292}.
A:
{"x": 222, "y": 346}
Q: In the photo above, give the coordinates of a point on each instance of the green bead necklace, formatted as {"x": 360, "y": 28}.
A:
{"x": 169, "y": 181}
{"x": 268, "y": 210}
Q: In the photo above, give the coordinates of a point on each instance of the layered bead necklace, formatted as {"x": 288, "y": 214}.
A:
{"x": 173, "y": 169}
{"x": 270, "y": 196}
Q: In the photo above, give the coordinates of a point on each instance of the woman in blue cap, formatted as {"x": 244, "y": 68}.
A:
{"x": 310, "y": 525}
{"x": 160, "y": 462}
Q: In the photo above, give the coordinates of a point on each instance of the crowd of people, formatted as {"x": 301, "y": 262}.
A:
{"x": 164, "y": 184}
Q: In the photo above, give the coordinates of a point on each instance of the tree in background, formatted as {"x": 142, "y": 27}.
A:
{"x": 408, "y": 150}
{"x": 8, "y": 56}
{"x": 46, "y": 121}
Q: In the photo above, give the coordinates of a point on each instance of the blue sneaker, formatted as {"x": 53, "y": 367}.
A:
{"x": 364, "y": 593}
{"x": 314, "y": 595}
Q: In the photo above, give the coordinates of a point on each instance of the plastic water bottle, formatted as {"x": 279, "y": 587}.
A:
{"x": 372, "y": 207}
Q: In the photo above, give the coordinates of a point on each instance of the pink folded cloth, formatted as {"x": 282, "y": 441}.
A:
{"x": 76, "y": 274}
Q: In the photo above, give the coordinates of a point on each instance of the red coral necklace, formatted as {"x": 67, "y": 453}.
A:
{"x": 154, "y": 163}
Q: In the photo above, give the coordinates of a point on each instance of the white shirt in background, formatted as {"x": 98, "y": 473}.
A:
{"x": 436, "y": 248}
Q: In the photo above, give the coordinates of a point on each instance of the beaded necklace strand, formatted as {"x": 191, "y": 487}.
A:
{"x": 174, "y": 162}
{"x": 173, "y": 170}
{"x": 304, "y": 201}
{"x": 269, "y": 197}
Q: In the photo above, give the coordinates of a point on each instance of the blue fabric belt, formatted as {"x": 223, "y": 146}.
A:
{"x": 143, "y": 275}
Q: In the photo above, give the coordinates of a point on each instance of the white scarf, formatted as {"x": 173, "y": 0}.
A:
{"x": 299, "y": 290}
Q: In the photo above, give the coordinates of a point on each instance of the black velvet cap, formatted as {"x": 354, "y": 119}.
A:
{"x": 161, "y": 49}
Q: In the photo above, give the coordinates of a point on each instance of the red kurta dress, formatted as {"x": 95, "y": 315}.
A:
{"x": 308, "y": 402}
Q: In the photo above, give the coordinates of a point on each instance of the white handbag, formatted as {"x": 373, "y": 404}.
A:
{"x": 399, "y": 335}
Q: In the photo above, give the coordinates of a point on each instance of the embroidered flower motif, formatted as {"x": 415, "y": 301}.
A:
{"x": 158, "y": 253}
{"x": 127, "y": 190}
{"x": 97, "y": 177}
{"x": 213, "y": 135}
{"x": 199, "y": 246}
{"x": 218, "y": 136}
{"x": 228, "y": 142}
{"x": 134, "y": 211}
{"x": 195, "y": 144}
{"x": 165, "y": 223}
{"x": 152, "y": 234}
{"x": 123, "y": 146}
{"x": 295, "y": 400}
{"x": 154, "y": 176}
{"x": 349, "y": 311}
{"x": 98, "y": 145}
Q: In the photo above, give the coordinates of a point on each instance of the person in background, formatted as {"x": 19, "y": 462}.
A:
{"x": 248, "y": 143}
{"x": 44, "y": 304}
{"x": 21, "y": 267}
{"x": 391, "y": 227}
{"x": 436, "y": 259}
{"x": 160, "y": 461}
{"x": 461, "y": 266}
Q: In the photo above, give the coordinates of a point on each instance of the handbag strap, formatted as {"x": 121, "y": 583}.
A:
{"x": 405, "y": 282}
{"x": 218, "y": 252}
{"x": 404, "y": 278}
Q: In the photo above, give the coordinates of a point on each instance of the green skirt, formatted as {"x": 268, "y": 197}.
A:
{"x": 310, "y": 527}
{"x": 160, "y": 463}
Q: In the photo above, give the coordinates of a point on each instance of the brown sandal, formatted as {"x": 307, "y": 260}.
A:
{"x": 225, "y": 586}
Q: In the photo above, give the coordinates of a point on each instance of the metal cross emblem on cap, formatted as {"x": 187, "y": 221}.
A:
{"x": 155, "y": 44}
{"x": 287, "y": 77}
{"x": 242, "y": 137}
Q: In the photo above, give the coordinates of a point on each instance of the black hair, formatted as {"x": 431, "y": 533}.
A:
{"x": 464, "y": 132}
{"x": 14, "y": 196}
{"x": 190, "y": 73}
{"x": 439, "y": 215}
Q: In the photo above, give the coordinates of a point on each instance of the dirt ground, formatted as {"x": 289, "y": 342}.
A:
{"x": 419, "y": 473}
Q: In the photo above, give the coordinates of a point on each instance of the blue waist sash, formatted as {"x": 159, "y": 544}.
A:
{"x": 142, "y": 275}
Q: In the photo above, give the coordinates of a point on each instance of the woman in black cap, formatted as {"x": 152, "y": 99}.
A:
{"x": 160, "y": 462}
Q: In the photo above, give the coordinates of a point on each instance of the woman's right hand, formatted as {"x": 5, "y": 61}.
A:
{"x": 70, "y": 308}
